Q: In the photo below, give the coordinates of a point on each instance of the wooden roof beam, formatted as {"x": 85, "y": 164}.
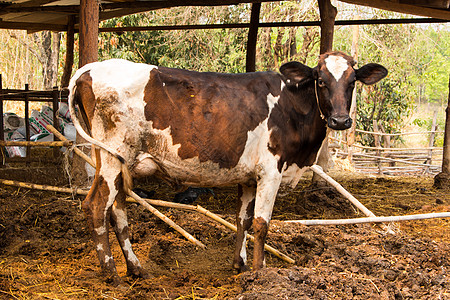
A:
{"x": 404, "y": 8}
{"x": 32, "y": 26}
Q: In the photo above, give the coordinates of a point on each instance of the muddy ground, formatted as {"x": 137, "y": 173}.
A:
{"x": 46, "y": 252}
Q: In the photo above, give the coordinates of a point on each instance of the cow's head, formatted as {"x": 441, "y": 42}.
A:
{"x": 334, "y": 81}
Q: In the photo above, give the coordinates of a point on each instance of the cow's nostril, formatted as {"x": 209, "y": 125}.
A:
{"x": 348, "y": 123}
{"x": 333, "y": 122}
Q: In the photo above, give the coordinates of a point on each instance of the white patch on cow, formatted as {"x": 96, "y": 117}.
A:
{"x": 258, "y": 139}
{"x": 337, "y": 65}
{"x": 99, "y": 247}
{"x": 108, "y": 258}
{"x": 243, "y": 252}
{"x": 126, "y": 77}
{"x": 121, "y": 216}
{"x": 257, "y": 157}
{"x": 100, "y": 230}
{"x": 247, "y": 196}
{"x": 269, "y": 180}
{"x": 164, "y": 84}
{"x": 131, "y": 256}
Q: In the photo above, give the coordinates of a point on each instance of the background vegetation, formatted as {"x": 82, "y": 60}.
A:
{"x": 417, "y": 56}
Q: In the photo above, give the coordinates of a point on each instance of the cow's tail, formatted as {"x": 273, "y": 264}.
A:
{"x": 126, "y": 175}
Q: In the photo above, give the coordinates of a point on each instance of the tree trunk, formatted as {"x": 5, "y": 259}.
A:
{"x": 442, "y": 180}
{"x": 48, "y": 44}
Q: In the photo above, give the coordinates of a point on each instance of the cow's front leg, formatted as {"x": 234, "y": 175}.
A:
{"x": 120, "y": 224}
{"x": 244, "y": 217}
{"x": 266, "y": 192}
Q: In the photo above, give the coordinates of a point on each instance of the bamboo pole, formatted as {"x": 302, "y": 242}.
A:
{"x": 36, "y": 144}
{"x": 318, "y": 170}
{"x": 372, "y": 219}
{"x": 43, "y": 187}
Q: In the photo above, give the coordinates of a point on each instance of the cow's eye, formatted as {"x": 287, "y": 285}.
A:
{"x": 320, "y": 82}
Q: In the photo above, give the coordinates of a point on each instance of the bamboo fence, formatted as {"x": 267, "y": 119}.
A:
{"x": 389, "y": 160}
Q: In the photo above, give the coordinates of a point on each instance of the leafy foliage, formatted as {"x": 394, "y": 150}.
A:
{"x": 385, "y": 104}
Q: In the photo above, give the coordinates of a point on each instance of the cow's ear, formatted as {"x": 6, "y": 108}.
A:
{"x": 371, "y": 73}
{"x": 296, "y": 72}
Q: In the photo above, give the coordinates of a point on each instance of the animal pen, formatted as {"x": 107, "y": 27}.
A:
{"x": 25, "y": 97}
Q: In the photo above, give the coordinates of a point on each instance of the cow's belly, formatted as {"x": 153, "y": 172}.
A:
{"x": 190, "y": 171}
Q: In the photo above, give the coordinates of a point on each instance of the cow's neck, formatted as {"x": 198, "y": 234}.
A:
{"x": 297, "y": 127}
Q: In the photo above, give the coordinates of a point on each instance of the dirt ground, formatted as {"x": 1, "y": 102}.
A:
{"x": 46, "y": 251}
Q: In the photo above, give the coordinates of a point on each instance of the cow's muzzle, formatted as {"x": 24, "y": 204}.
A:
{"x": 340, "y": 123}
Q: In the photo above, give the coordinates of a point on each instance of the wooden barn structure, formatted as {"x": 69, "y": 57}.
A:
{"x": 83, "y": 16}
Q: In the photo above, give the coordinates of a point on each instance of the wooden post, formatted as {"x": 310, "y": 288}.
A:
{"x": 431, "y": 141}
{"x": 2, "y": 132}
{"x": 446, "y": 159}
{"x": 351, "y": 132}
{"x": 55, "y": 107}
{"x": 88, "y": 51}
{"x": 378, "y": 146}
{"x": 327, "y": 17}
{"x": 27, "y": 122}
{"x": 442, "y": 180}
{"x": 250, "y": 65}
{"x": 70, "y": 41}
{"x": 89, "y": 19}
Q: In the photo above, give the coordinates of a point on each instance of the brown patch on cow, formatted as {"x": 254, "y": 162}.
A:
{"x": 209, "y": 114}
{"x": 85, "y": 98}
{"x": 107, "y": 105}
{"x": 260, "y": 227}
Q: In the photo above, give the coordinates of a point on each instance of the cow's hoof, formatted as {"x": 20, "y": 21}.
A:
{"x": 138, "y": 273}
{"x": 241, "y": 268}
{"x": 116, "y": 281}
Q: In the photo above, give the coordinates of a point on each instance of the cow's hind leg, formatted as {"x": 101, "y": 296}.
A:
{"x": 121, "y": 229}
{"x": 244, "y": 217}
{"x": 98, "y": 208}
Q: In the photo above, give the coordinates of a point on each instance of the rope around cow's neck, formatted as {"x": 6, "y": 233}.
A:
{"x": 317, "y": 99}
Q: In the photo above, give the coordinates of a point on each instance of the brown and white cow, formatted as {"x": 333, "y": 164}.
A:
{"x": 256, "y": 130}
